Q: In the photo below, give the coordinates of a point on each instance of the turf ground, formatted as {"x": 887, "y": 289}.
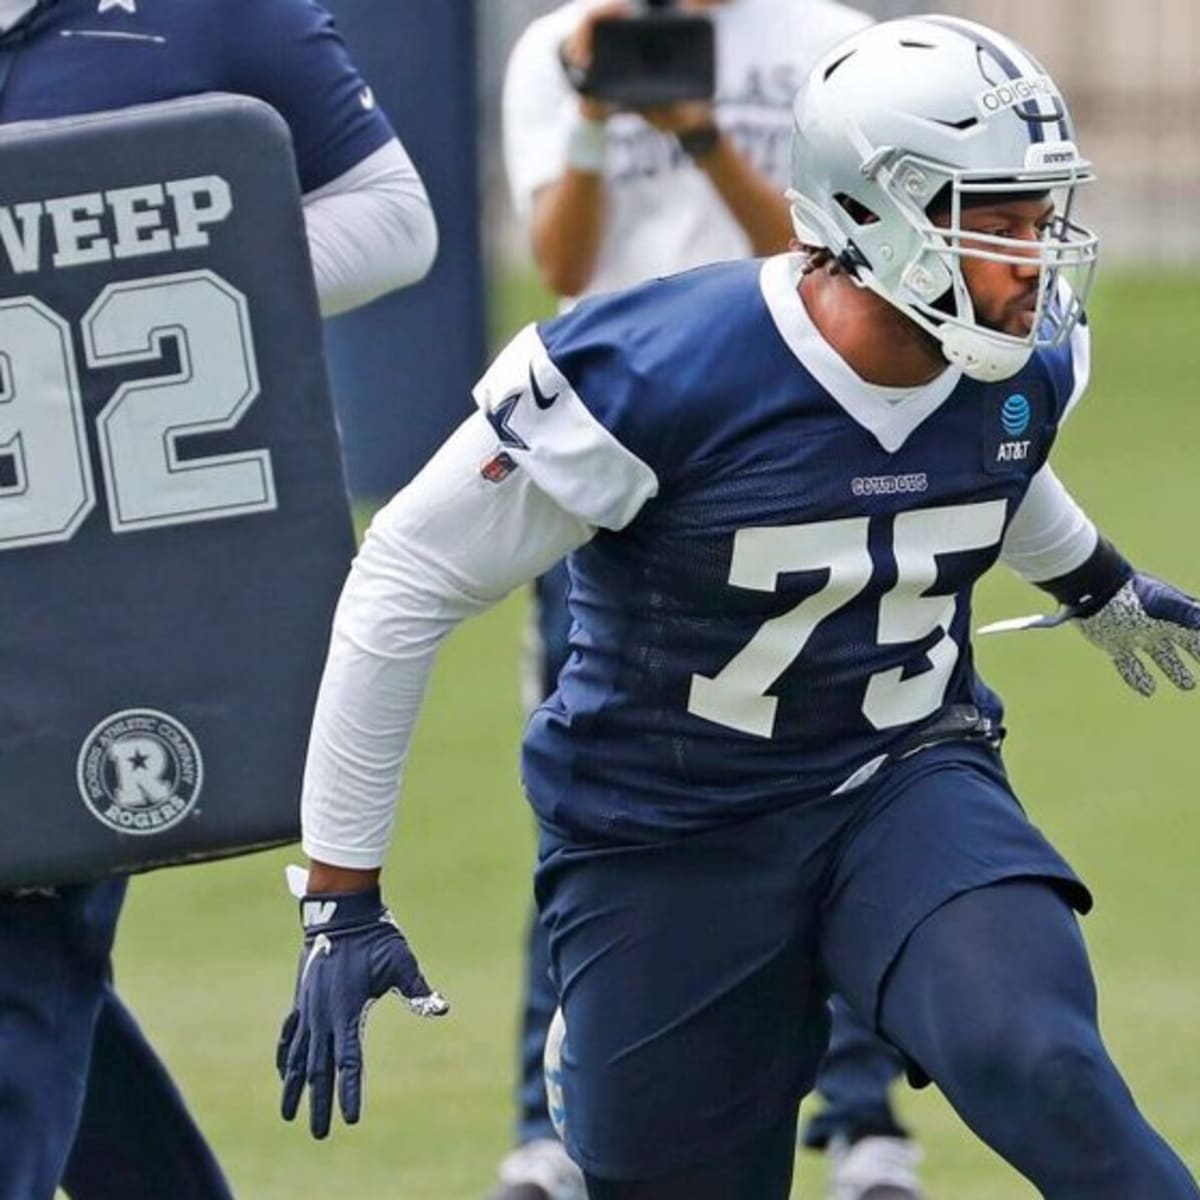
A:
{"x": 206, "y": 954}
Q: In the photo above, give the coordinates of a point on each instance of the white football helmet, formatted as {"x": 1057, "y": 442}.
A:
{"x": 936, "y": 108}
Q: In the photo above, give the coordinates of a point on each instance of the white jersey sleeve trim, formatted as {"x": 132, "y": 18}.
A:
{"x": 548, "y": 429}
{"x": 446, "y": 547}
{"x": 370, "y": 230}
{"x": 1050, "y": 534}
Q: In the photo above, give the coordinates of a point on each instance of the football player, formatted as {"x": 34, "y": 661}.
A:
{"x": 75, "y": 1065}
{"x": 612, "y": 198}
{"x": 770, "y": 767}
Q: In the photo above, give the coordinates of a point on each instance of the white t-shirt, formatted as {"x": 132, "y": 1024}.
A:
{"x": 663, "y": 213}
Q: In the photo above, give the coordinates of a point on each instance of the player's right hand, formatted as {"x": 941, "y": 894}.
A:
{"x": 353, "y": 954}
{"x": 576, "y": 53}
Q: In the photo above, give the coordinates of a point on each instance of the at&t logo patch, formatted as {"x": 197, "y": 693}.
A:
{"x": 1013, "y": 429}
{"x": 1014, "y": 415}
{"x": 140, "y": 771}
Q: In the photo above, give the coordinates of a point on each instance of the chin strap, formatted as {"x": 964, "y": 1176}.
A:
{"x": 980, "y": 357}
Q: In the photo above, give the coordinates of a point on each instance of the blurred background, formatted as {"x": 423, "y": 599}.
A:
{"x": 1130, "y": 71}
{"x": 1132, "y": 77}
{"x": 206, "y": 955}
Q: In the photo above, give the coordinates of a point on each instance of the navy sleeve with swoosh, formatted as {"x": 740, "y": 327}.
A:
{"x": 290, "y": 54}
{"x": 658, "y": 365}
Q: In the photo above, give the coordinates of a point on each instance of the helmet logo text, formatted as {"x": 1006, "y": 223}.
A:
{"x": 1016, "y": 92}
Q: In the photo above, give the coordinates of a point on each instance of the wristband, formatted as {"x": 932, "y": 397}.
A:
{"x": 586, "y": 146}
{"x": 1093, "y": 583}
{"x": 699, "y": 143}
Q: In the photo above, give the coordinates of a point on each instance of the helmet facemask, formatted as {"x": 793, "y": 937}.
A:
{"x": 1065, "y": 257}
{"x": 928, "y": 284}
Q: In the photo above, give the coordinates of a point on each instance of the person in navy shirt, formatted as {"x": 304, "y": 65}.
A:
{"x": 76, "y": 1067}
{"x": 770, "y": 769}
{"x": 369, "y": 222}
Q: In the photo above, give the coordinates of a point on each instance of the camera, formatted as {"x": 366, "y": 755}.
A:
{"x": 657, "y": 56}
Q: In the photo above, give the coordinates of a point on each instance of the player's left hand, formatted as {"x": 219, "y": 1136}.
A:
{"x": 1150, "y": 616}
{"x": 353, "y": 954}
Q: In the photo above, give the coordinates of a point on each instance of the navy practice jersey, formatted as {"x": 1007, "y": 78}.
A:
{"x": 780, "y": 587}
{"x": 80, "y": 56}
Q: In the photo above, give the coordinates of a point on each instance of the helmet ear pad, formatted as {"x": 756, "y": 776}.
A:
{"x": 899, "y": 254}
{"x": 931, "y": 281}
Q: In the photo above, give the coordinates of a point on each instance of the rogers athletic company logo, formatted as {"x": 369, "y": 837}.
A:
{"x": 140, "y": 771}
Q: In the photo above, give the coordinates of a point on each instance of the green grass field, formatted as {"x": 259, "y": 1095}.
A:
{"x": 206, "y": 955}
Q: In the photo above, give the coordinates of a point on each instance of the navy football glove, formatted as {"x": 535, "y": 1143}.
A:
{"x": 1126, "y": 613}
{"x": 354, "y": 953}
{"x": 1150, "y": 616}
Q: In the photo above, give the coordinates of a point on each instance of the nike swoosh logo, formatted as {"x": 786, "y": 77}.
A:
{"x": 321, "y": 945}
{"x": 539, "y": 397}
{"x": 367, "y": 99}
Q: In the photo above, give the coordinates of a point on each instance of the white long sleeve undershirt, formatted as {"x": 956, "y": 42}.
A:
{"x": 370, "y": 230}
{"x": 1050, "y": 534}
{"x": 448, "y": 546}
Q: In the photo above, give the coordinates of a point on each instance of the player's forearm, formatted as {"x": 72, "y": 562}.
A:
{"x": 755, "y": 202}
{"x": 370, "y": 231}
{"x": 384, "y": 641}
{"x": 567, "y": 230}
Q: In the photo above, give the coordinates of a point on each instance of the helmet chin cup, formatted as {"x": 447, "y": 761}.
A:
{"x": 981, "y": 357}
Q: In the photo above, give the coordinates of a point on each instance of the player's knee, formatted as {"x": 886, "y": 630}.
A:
{"x": 1073, "y": 1083}
{"x": 1062, "y": 1079}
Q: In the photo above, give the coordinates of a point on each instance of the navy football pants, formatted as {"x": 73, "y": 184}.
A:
{"x": 1010, "y": 1036}
{"x": 859, "y": 1067}
{"x": 83, "y": 1098}
{"x": 856, "y": 1073}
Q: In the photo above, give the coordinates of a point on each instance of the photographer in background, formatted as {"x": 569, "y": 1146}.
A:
{"x": 612, "y": 197}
